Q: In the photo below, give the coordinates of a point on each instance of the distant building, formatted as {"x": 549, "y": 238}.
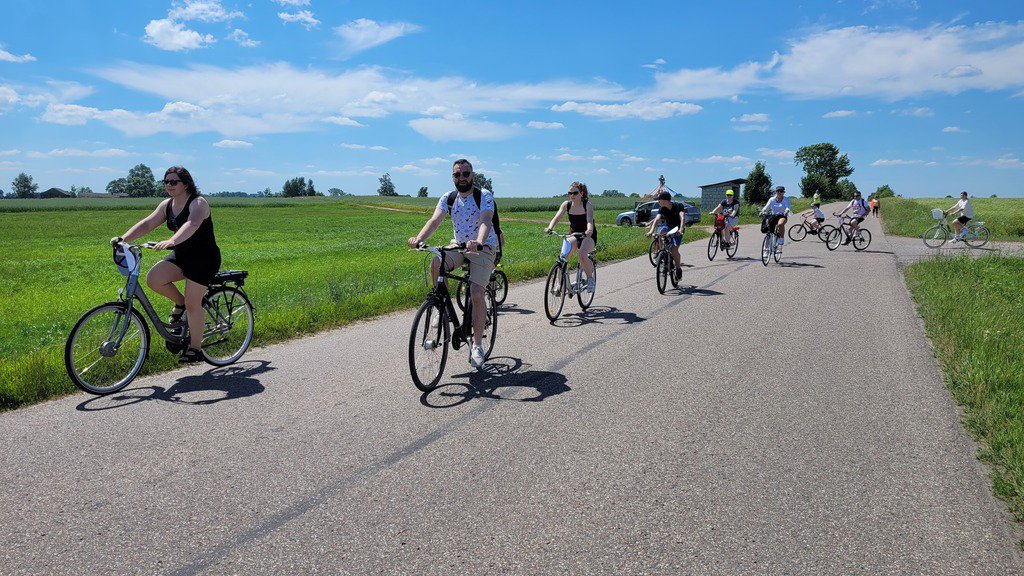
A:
{"x": 56, "y": 193}
{"x": 712, "y": 194}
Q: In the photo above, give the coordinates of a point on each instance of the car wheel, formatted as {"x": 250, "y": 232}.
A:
{"x": 625, "y": 222}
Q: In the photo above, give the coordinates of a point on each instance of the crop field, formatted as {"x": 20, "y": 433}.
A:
{"x": 971, "y": 309}
{"x": 314, "y": 263}
{"x": 1004, "y": 217}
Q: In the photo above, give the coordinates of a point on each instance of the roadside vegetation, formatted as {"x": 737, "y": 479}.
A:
{"x": 1004, "y": 217}
{"x": 315, "y": 263}
{"x": 972, "y": 313}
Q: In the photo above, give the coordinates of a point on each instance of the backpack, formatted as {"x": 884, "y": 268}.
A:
{"x": 495, "y": 221}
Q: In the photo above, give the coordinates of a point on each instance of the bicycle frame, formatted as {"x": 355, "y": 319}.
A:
{"x": 133, "y": 291}
{"x": 443, "y": 296}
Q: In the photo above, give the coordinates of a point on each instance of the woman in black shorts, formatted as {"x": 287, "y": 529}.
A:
{"x": 581, "y": 221}
{"x": 195, "y": 257}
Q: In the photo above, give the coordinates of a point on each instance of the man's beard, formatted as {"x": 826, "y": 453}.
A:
{"x": 464, "y": 187}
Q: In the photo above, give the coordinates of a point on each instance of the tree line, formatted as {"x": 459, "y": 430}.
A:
{"x": 826, "y": 173}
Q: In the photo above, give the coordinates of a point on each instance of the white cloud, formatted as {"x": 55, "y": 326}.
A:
{"x": 917, "y": 112}
{"x": 760, "y": 117}
{"x": 303, "y": 17}
{"x": 962, "y": 71}
{"x": 253, "y": 172}
{"x": 751, "y": 128}
{"x": 363, "y": 34}
{"x": 533, "y": 157}
{"x": 363, "y": 147}
{"x": 13, "y": 152}
{"x": 655, "y": 64}
{"x": 242, "y": 37}
{"x": 77, "y": 153}
{"x": 633, "y": 159}
{"x": 950, "y": 129}
{"x": 6, "y": 56}
{"x": 723, "y": 159}
{"x": 779, "y": 153}
{"x": 342, "y": 121}
{"x": 292, "y": 3}
{"x": 1006, "y": 161}
{"x": 670, "y": 160}
{"x": 433, "y": 161}
{"x": 169, "y": 35}
{"x": 647, "y": 109}
{"x": 414, "y": 169}
{"x": 707, "y": 83}
{"x": 550, "y": 170}
{"x": 545, "y": 125}
{"x": 566, "y": 157}
{"x": 233, "y": 144}
{"x": 895, "y": 162}
{"x": 599, "y": 158}
{"x": 839, "y": 114}
{"x": 462, "y": 129}
{"x": 601, "y": 170}
{"x": 202, "y": 10}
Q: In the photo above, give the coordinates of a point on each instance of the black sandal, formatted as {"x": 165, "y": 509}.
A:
{"x": 176, "y": 313}
{"x": 191, "y": 356}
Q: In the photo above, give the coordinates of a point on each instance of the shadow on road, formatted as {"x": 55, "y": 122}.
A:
{"x": 597, "y": 315}
{"x": 877, "y": 251}
{"x": 785, "y": 264}
{"x": 514, "y": 309}
{"x": 498, "y": 373}
{"x": 213, "y": 386}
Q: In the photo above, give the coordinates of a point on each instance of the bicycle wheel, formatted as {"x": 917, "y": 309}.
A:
{"x": 766, "y": 249}
{"x": 824, "y": 231}
{"x": 662, "y": 271}
{"x": 935, "y": 236}
{"x": 834, "y": 238}
{"x": 92, "y": 360}
{"x": 730, "y": 250}
{"x": 554, "y": 293}
{"x": 777, "y": 251}
{"x": 977, "y": 236}
{"x": 586, "y": 297}
{"x": 652, "y": 252}
{"x": 428, "y": 345}
{"x": 461, "y": 296}
{"x": 500, "y": 287}
{"x": 862, "y": 241}
{"x": 490, "y": 324}
{"x": 712, "y": 246}
{"x": 797, "y": 233}
{"x": 229, "y": 325}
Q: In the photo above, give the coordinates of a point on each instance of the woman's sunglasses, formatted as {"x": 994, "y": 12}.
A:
{"x": 171, "y": 182}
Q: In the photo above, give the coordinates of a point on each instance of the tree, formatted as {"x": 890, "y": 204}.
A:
{"x": 422, "y": 193}
{"x": 634, "y": 195}
{"x": 884, "y": 191}
{"x": 77, "y": 192}
{"x": 24, "y": 187}
{"x": 612, "y": 194}
{"x": 823, "y": 160}
{"x": 758, "y": 187}
{"x": 815, "y": 183}
{"x": 336, "y": 192}
{"x": 482, "y": 182}
{"x": 140, "y": 182}
{"x": 310, "y": 190}
{"x": 265, "y": 193}
{"x": 846, "y": 189}
{"x": 294, "y": 187}
{"x": 387, "y": 188}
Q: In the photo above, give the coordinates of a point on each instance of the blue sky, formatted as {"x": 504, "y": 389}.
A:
{"x": 924, "y": 96}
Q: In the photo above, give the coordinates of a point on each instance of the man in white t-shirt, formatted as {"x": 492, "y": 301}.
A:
{"x": 860, "y": 211}
{"x": 966, "y": 211}
{"x": 471, "y": 210}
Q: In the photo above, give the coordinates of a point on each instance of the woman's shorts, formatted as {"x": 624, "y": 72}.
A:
{"x": 963, "y": 219}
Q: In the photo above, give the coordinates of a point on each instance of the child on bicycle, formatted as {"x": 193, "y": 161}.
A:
{"x": 671, "y": 215}
{"x": 815, "y": 217}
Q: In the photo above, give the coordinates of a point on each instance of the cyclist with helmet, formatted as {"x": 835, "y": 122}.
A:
{"x": 581, "y": 221}
{"x": 671, "y": 215}
{"x": 817, "y": 214}
{"x": 776, "y": 211}
{"x": 860, "y": 211}
{"x": 195, "y": 257}
{"x": 730, "y": 208}
{"x": 966, "y": 211}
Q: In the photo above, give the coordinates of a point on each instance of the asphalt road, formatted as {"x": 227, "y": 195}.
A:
{"x": 763, "y": 420}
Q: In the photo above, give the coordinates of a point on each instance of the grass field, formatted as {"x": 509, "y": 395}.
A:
{"x": 972, "y": 312}
{"x": 314, "y": 263}
{"x": 1004, "y": 217}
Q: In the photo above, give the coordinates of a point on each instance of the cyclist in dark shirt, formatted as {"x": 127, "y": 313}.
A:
{"x": 730, "y": 208}
{"x": 671, "y": 216}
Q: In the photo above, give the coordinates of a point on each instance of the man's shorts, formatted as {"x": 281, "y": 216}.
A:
{"x": 963, "y": 219}
{"x": 480, "y": 264}
{"x": 858, "y": 219}
{"x": 676, "y": 239}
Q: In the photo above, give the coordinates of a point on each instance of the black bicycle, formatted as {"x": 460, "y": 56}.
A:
{"x": 109, "y": 344}
{"x": 665, "y": 269}
{"x": 801, "y": 230}
{"x": 567, "y": 279}
{"x": 498, "y": 283}
{"x": 844, "y": 232}
{"x": 436, "y": 325}
{"x": 716, "y": 240}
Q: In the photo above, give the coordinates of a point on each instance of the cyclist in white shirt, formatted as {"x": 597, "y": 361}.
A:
{"x": 860, "y": 210}
{"x": 777, "y": 210}
{"x": 471, "y": 211}
{"x": 966, "y": 211}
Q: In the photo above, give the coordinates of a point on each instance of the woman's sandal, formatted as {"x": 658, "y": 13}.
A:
{"x": 191, "y": 356}
{"x": 176, "y": 313}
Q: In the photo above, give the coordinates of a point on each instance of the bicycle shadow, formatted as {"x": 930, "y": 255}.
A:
{"x": 215, "y": 385}
{"x": 785, "y": 264}
{"x": 514, "y": 309}
{"x": 597, "y": 315}
{"x": 693, "y": 290}
{"x": 499, "y": 372}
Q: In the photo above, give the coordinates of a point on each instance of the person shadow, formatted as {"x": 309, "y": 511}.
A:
{"x": 598, "y": 315}
{"x": 510, "y": 376}
{"x": 215, "y": 385}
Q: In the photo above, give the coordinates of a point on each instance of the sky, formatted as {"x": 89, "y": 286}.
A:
{"x": 924, "y": 96}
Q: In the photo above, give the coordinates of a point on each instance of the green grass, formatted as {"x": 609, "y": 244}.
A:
{"x": 972, "y": 313}
{"x": 314, "y": 263}
{"x": 1004, "y": 217}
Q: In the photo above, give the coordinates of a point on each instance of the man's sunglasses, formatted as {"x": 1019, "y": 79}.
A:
{"x": 171, "y": 182}
{"x": 464, "y": 173}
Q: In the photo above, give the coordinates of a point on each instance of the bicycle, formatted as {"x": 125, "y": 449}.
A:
{"x": 558, "y": 284}
{"x": 109, "y": 344}
{"x": 801, "y": 230}
{"x": 715, "y": 241}
{"x": 652, "y": 251}
{"x": 498, "y": 283}
{"x": 843, "y": 230}
{"x": 974, "y": 234}
{"x": 770, "y": 247}
{"x": 666, "y": 268}
{"x": 436, "y": 322}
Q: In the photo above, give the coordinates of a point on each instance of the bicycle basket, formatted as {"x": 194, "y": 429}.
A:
{"x": 764, "y": 226}
{"x": 937, "y": 213}
{"x": 126, "y": 260}
{"x": 719, "y": 221}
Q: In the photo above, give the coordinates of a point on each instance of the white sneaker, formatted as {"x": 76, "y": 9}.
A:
{"x": 476, "y": 356}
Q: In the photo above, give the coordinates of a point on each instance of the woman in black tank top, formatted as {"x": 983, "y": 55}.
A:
{"x": 195, "y": 257}
{"x": 581, "y": 221}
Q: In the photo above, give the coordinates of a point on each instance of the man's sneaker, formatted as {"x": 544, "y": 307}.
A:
{"x": 679, "y": 274}
{"x": 848, "y": 240}
{"x": 476, "y": 356}
{"x": 591, "y": 285}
